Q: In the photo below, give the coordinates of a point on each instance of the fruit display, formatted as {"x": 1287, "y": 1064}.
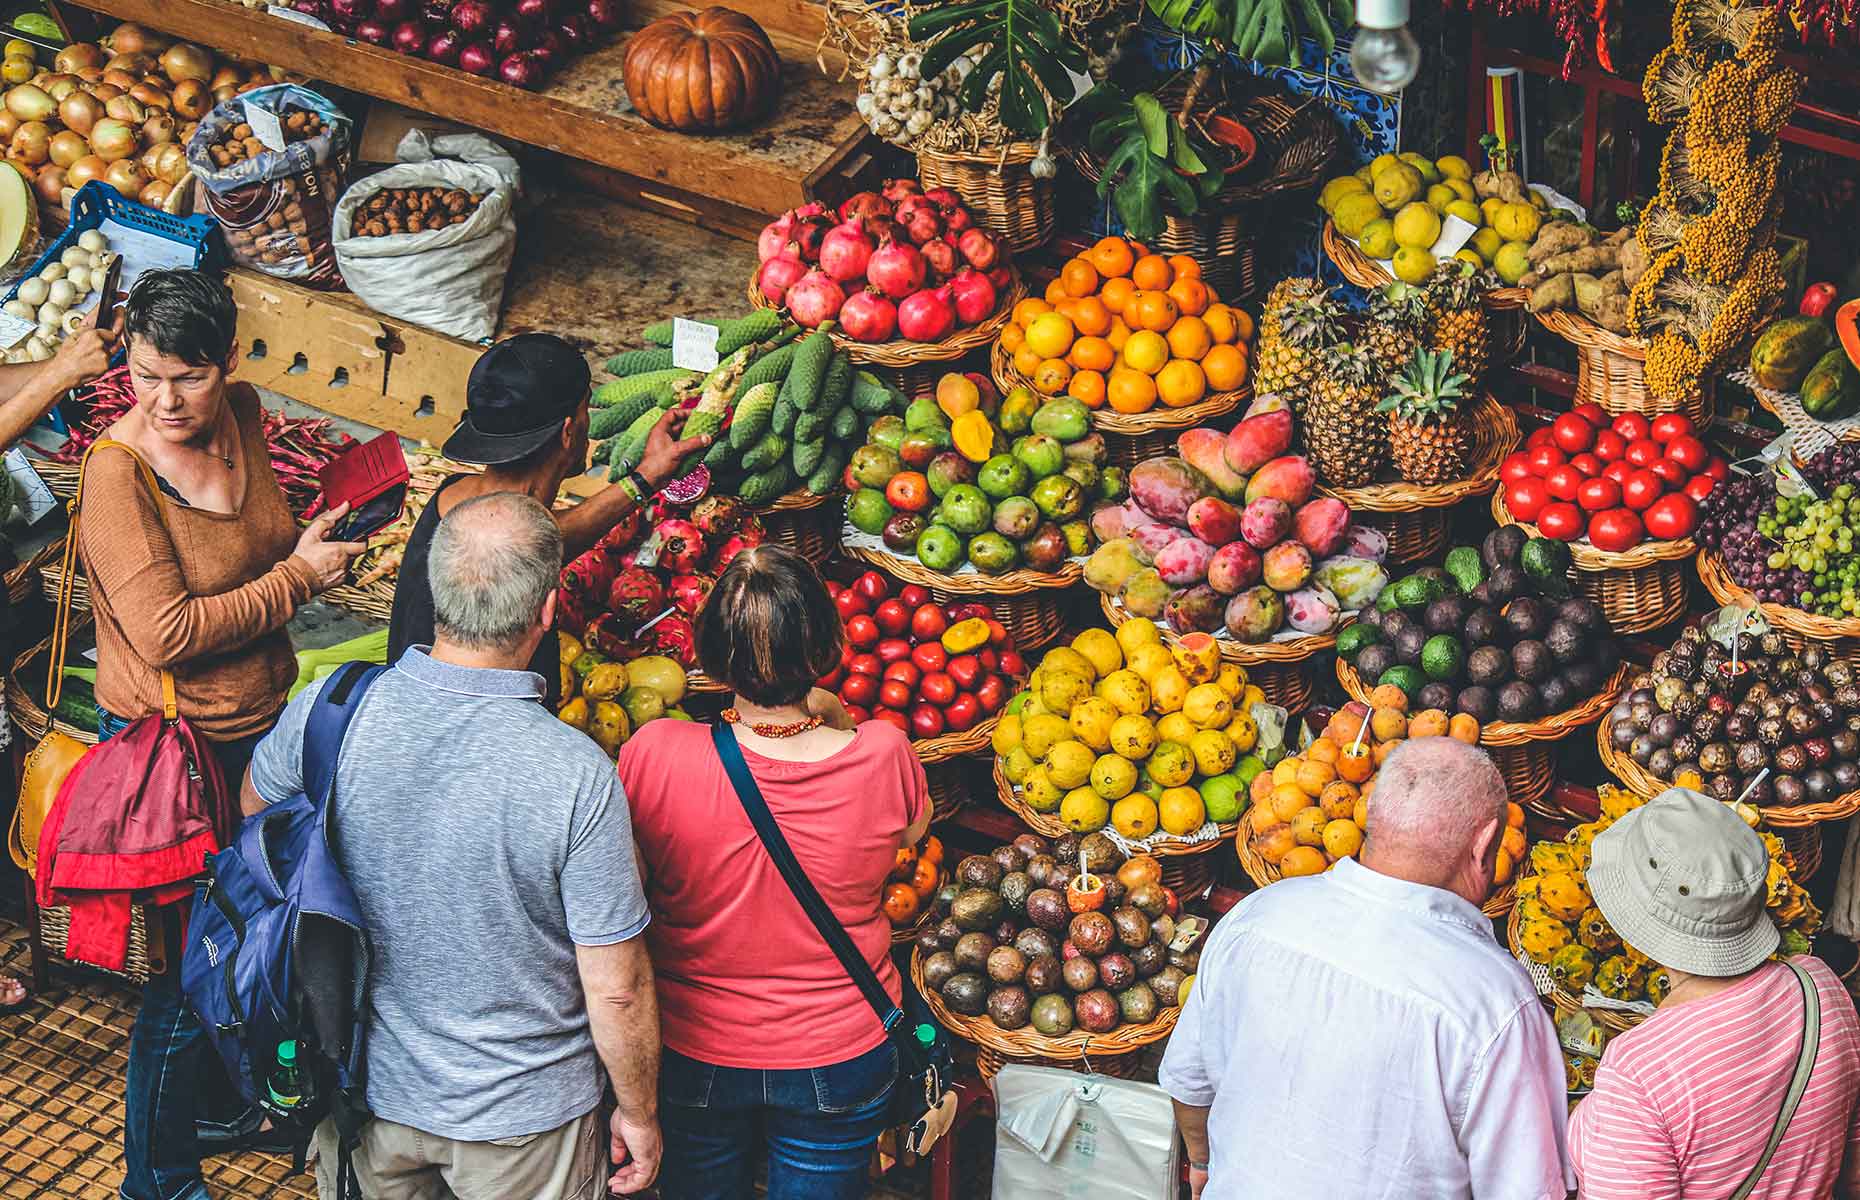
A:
{"x": 1127, "y": 329}
{"x": 1557, "y": 925}
{"x": 520, "y": 42}
{"x": 700, "y": 72}
{"x": 59, "y": 298}
{"x": 897, "y": 264}
{"x": 1779, "y": 730}
{"x": 1612, "y": 484}
{"x": 1061, "y": 935}
{"x": 915, "y": 879}
{"x": 1308, "y": 812}
{"x": 1799, "y": 354}
{"x": 1493, "y": 634}
{"x": 1241, "y": 548}
{"x": 929, "y": 669}
{"x": 1795, "y": 550}
{"x": 944, "y": 484}
{"x": 608, "y": 700}
{"x": 1575, "y": 266}
{"x": 411, "y": 210}
{"x": 1125, "y": 732}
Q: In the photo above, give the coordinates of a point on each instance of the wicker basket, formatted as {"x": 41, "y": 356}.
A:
{"x": 1637, "y": 779}
{"x": 970, "y": 741}
{"x": 1841, "y": 638}
{"x": 25, "y": 689}
{"x": 899, "y": 353}
{"x": 1639, "y": 589}
{"x": 805, "y": 523}
{"x": 60, "y": 477}
{"x": 1613, "y": 1019}
{"x": 908, "y": 934}
{"x": 1504, "y": 305}
{"x": 1112, "y": 1053}
{"x": 51, "y": 578}
{"x": 1807, "y": 435}
{"x": 1026, "y": 602}
{"x": 1049, "y": 825}
{"x": 700, "y": 684}
{"x": 1284, "y": 671}
{"x": 949, "y": 783}
{"x": 1004, "y": 195}
{"x": 1611, "y": 370}
{"x": 25, "y": 577}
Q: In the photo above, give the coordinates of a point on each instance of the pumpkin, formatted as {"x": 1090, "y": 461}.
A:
{"x": 703, "y": 71}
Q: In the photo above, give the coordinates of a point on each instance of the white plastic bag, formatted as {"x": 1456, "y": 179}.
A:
{"x": 450, "y": 279}
{"x": 1061, "y": 1135}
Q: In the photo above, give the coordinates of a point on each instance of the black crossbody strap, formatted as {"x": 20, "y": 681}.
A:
{"x": 853, "y": 962}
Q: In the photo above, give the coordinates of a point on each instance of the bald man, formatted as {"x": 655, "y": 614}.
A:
{"x": 1360, "y": 1034}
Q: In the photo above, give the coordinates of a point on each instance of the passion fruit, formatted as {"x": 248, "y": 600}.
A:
{"x": 938, "y": 969}
{"x": 1046, "y": 909}
{"x": 1032, "y": 845}
{"x": 1044, "y": 974}
{"x": 1166, "y": 984}
{"x": 1052, "y": 1015}
{"x": 980, "y": 871}
{"x": 1009, "y": 1007}
{"x": 1092, "y": 933}
{"x": 1150, "y": 958}
{"x": 966, "y": 993}
{"x": 1137, "y": 1004}
{"x": 1097, "y": 1010}
{"x": 1015, "y": 888}
{"x": 1116, "y": 971}
{"x": 1036, "y": 942}
{"x": 1006, "y": 965}
{"x": 973, "y": 950}
{"x": 1133, "y": 928}
{"x": 1080, "y": 974}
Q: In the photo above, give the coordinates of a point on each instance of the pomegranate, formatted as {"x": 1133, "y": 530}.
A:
{"x": 774, "y": 237}
{"x": 807, "y": 235}
{"x": 1003, "y": 279}
{"x": 867, "y": 316}
{"x": 776, "y": 275}
{"x": 955, "y": 220}
{"x": 979, "y": 249}
{"x": 897, "y": 269}
{"x": 884, "y": 229}
{"x": 975, "y": 296}
{"x": 897, "y": 189}
{"x": 910, "y": 206}
{"x": 942, "y": 258}
{"x": 865, "y": 204}
{"x": 944, "y": 198}
{"x": 604, "y": 15}
{"x": 813, "y": 208}
{"x": 472, "y": 17}
{"x": 815, "y": 298}
{"x": 846, "y": 250}
{"x": 409, "y": 37}
{"x": 927, "y": 316}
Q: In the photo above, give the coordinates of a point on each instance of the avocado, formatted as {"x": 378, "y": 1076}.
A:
{"x": 1481, "y": 594}
{"x": 1543, "y": 558}
{"x": 1531, "y": 660}
{"x": 966, "y": 993}
{"x": 1525, "y": 617}
{"x": 1466, "y": 567}
{"x": 1436, "y": 695}
{"x": 1488, "y": 666}
{"x": 1484, "y": 627}
{"x": 1354, "y": 638}
{"x": 1408, "y": 679}
{"x": 1445, "y": 615}
{"x": 1506, "y": 583}
{"x": 1393, "y": 623}
{"x": 1409, "y": 645}
{"x": 1442, "y": 657}
{"x": 1374, "y": 660}
{"x": 1585, "y": 615}
{"x": 1556, "y": 694}
{"x": 1517, "y": 701}
{"x": 1566, "y": 641}
{"x": 1584, "y": 678}
{"x": 1478, "y": 702}
{"x": 1502, "y": 547}
{"x": 1417, "y": 591}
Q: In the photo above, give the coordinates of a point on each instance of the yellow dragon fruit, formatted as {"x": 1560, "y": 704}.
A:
{"x": 1659, "y": 982}
{"x": 1564, "y": 895}
{"x": 1541, "y": 939}
{"x": 1617, "y": 802}
{"x": 1531, "y": 910}
{"x": 1593, "y": 931}
{"x": 1548, "y": 858}
{"x": 1618, "y": 979}
{"x": 1572, "y": 967}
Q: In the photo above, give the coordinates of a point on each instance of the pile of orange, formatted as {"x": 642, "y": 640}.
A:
{"x": 1124, "y": 328}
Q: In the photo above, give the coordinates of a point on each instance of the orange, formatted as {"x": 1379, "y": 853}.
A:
{"x": 1184, "y": 266}
{"x": 1146, "y": 351}
{"x": 1152, "y": 273}
{"x": 1181, "y": 383}
{"x": 1190, "y": 295}
{"x": 1112, "y": 257}
{"x": 1087, "y": 387}
{"x": 1012, "y": 337}
{"x": 1120, "y": 333}
{"x": 1151, "y": 310}
{"x": 1055, "y": 291}
{"x": 1028, "y": 309}
{"x": 1138, "y": 248}
{"x": 1130, "y": 391}
{"x": 1092, "y": 354}
{"x": 1091, "y": 316}
{"x": 1027, "y": 360}
{"x": 1116, "y": 294}
{"x": 1225, "y": 368}
{"x": 1051, "y": 377}
{"x": 1079, "y": 277}
{"x": 1189, "y": 338}
{"x": 1243, "y": 320}
{"x": 1221, "y": 324}
{"x": 1302, "y": 860}
{"x": 1050, "y": 335}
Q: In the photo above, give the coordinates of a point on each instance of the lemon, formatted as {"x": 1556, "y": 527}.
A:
{"x": 1417, "y": 225}
{"x": 1214, "y": 751}
{"x": 1378, "y": 238}
{"x": 1354, "y": 213}
{"x": 1366, "y": 175}
{"x": 1017, "y": 765}
{"x": 1461, "y": 190}
{"x": 1134, "y": 816}
{"x": 1511, "y": 262}
{"x": 1171, "y": 764}
{"x": 1100, "y": 649}
{"x": 1381, "y": 163}
{"x": 1126, "y": 691}
{"x": 1338, "y": 188}
{"x": 1113, "y": 776}
{"x": 1413, "y": 264}
{"x": 1065, "y": 658}
{"x": 1517, "y": 222}
{"x": 1420, "y": 162}
{"x": 1069, "y": 763}
{"x": 1060, "y": 690}
{"x": 1469, "y": 256}
{"x": 1150, "y": 661}
{"x": 1396, "y": 186}
{"x": 1490, "y": 206}
{"x": 1084, "y": 811}
{"x": 1439, "y": 195}
{"x": 1252, "y": 694}
{"x": 1181, "y": 993}
{"x": 1207, "y": 706}
{"x": 1486, "y": 241}
{"x": 1091, "y": 722}
{"x": 1168, "y": 689}
{"x": 1466, "y": 211}
{"x": 1138, "y": 631}
{"x": 1006, "y": 736}
{"x": 1040, "y": 792}
{"x": 1224, "y": 797}
{"x": 1452, "y": 166}
{"x": 1175, "y": 727}
{"x": 1180, "y": 811}
{"x": 1039, "y": 734}
{"x": 1133, "y": 737}
{"x": 1243, "y": 732}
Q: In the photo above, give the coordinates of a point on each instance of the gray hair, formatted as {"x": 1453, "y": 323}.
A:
{"x": 1433, "y": 794}
{"x": 494, "y": 561}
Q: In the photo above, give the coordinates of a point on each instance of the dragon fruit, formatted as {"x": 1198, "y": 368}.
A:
{"x": 635, "y": 597}
{"x": 681, "y": 545}
{"x": 717, "y": 516}
{"x": 688, "y": 592}
{"x": 604, "y": 633}
{"x": 621, "y": 535}
{"x": 751, "y": 534}
{"x": 572, "y": 610}
{"x": 675, "y": 638}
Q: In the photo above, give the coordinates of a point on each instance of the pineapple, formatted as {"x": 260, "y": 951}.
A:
{"x": 1456, "y": 295}
{"x": 1427, "y": 427}
{"x": 1348, "y": 438}
{"x": 1300, "y": 318}
{"x": 1398, "y": 316}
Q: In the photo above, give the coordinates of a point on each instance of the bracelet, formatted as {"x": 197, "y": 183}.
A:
{"x": 626, "y": 484}
{"x": 1197, "y": 1166}
{"x": 639, "y": 483}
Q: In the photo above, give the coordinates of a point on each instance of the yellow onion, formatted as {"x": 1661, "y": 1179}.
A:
{"x": 60, "y": 86}
{"x": 78, "y": 55}
{"x": 154, "y": 193}
{"x": 126, "y": 177}
{"x": 146, "y": 159}
{"x": 120, "y": 79}
{"x": 104, "y": 91}
{"x": 31, "y": 143}
{"x": 184, "y": 60}
{"x": 84, "y": 170}
{"x": 170, "y": 163}
{"x": 227, "y": 76}
{"x": 66, "y": 147}
{"x": 152, "y": 95}
{"x": 191, "y": 99}
{"x": 130, "y": 38}
{"x": 91, "y": 74}
{"x": 113, "y": 140}
{"x": 8, "y": 123}
{"x": 80, "y": 111}
{"x": 29, "y": 103}
{"x": 158, "y": 128}
{"x": 127, "y": 108}
{"x": 138, "y": 65}
{"x": 50, "y": 184}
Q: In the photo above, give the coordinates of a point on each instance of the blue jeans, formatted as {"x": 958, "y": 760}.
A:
{"x": 820, "y": 1126}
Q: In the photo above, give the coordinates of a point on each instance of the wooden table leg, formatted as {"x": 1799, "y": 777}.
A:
{"x": 974, "y": 1098}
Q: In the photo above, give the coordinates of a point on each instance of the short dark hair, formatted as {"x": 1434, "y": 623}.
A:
{"x": 769, "y": 629}
{"x": 188, "y": 315}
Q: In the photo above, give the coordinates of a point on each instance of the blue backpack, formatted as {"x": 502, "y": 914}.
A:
{"x": 276, "y": 951}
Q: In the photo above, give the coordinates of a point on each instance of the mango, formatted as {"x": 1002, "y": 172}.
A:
{"x": 1184, "y": 561}
{"x": 1288, "y": 478}
{"x": 1320, "y": 525}
{"x": 1215, "y": 521}
{"x": 1257, "y": 440}
{"x": 1164, "y": 487}
{"x": 1233, "y": 567}
{"x": 1110, "y": 566}
{"x": 1255, "y": 614}
{"x": 1145, "y": 594}
{"x": 1063, "y": 418}
{"x": 1206, "y": 451}
{"x": 1194, "y": 609}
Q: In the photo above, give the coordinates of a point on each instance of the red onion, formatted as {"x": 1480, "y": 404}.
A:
{"x": 574, "y": 31}
{"x": 604, "y": 15}
{"x": 897, "y": 189}
{"x": 815, "y": 299}
{"x": 475, "y": 58}
{"x": 897, "y": 269}
{"x": 942, "y": 258}
{"x": 536, "y": 12}
{"x": 865, "y": 204}
{"x": 472, "y": 17}
{"x": 352, "y": 10}
{"x": 869, "y": 317}
{"x": 975, "y": 296}
{"x": 927, "y": 316}
{"x": 520, "y": 70}
{"x": 373, "y": 32}
{"x": 778, "y": 273}
{"x": 547, "y": 49}
{"x": 409, "y": 37}
{"x": 443, "y": 47}
{"x": 774, "y": 237}
{"x": 845, "y": 251}
{"x": 396, "y": 11}
{"x": 507, "y": 37}
{"x": 944, "y": 198}
{"x": 436, "y": 12}
{"x": 979, "y": 249}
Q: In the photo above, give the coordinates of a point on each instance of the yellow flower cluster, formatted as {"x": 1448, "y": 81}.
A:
{"x": 1674, "y": 369}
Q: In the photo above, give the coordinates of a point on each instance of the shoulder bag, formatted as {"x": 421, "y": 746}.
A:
{"x": 1798, "y": 1084}
{"x": 922, "y": 1098}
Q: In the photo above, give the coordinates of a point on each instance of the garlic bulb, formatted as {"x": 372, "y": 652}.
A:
{"x": 1044, "y": 165}
{"x": 900, "y": 103}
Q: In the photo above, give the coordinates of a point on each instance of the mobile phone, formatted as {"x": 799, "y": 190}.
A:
{"x": 372, "y": 516}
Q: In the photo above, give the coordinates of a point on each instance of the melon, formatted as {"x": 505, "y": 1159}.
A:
{"x": 663, "y": 675}
{"x": 19, "y": 220}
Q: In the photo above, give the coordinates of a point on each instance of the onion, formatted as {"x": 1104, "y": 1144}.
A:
{"x": 409, "y": 37}
{"x": 31, "y": 143}
{"x": 443, "y": 47}
{"x": 50, "y": 184}
{"x": 127, "y": 109}
{"x": 191, "y": 99}
{"x": 472, "y": 17}
{"x": 227, "y": 76}
{"x": 184, "y": 60}
{"x": 91, "y": 75}
{"x": 126, "y": 177}
{"x": 158, "y": 129}
{"x": 66, "y": 147}
{"x": 520, "y": 70}
{"x": 222, "y": 95}
{"x": 507, "y": 37}
{"x": 8, "y": 123}
{"x": 373, "y": 32}
{"x": 604, "y": 15}
{"x": 113, "y": 140}
{"x": 548, "y": 49}
{"x": 475, "y": 58}
{"x": 574, "y": 31}
{"x": 77, "y": 56}
{"x": 30, "y": 103}
{"x": 80, "y": 111}
{"x": 155, "y": 194}
{"x": 129, "y": 38}
{"x": 103, "y": 91}
{"x": 120, "y": 79}
{"x": 170, "y": 163}
{"x": 60, "y": 86}
{"x": 397, "y": 10}
{"x": 534, "y": 12}
{"x": 344, "y": 10}
{"x": 152, "y": 96}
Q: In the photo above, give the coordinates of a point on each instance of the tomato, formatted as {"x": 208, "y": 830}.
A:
{"x": 1717, "y": 469}
{"x": 992, "y": 694}
{"x": 872, "y": 586}
{"x": 1588, "y": 464}
{"x": 857, "y": 714}
{"x": 974, "y": 608}
{"x": 1619, "y": 470}
{"x": 904, "y": 671}
{"x": 1597, "y": 494}
{"x": 1540, "y": 436}
{"x": 1668, "y": 426}
{"x": 1643, "y": 452}
{"x": 1616, "y": 530}
{"x": 859, "y": 689}
{"x": 1631, "y": 426}
{"x": 1593, "y": 413}
{"x": 1641, "y": 489}
{"x": 990, "y": 660}
{"x": 894, "y": 719}
{"x": 938, "y": 688}
{"x": 1517, "y": 465}
{"x": 831, "y": 680}
{"x": 928, "y": 622}
{"x": 914, "y": 595}
{"x": 966, "y": 670}
{"x": 893, "y": 617}
{"x": 1673, "y": 516}
{"x": 1013, "y": 665}
{"x": 892, "y": 650}
{"x": 1671, "y": 474}
{"x": 1688, "y": 452}
{"x": 862, "y": 631}
{"x": 926, "y": 722}
{"x": 850, "y": 604}
{"x": 1700, "y": 488}
{"x": 1526, "y": 498}
{"x": 1563, "y": 482}
{"x": 1572, "y": 434}
{"x": 865, "y": 664}
{"x": 1561, "y": 520}
{"x": 962, "y": 713}
{"x": 997, "y": 633}
{"x": 1609, "y": 445}
{"x": 930, "y": 656}
{"x": 908, "y": 491}
{"x": 1546, "y": 458}
{"x": 894, "y": 693}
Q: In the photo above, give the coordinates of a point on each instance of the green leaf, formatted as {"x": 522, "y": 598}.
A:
{"x": 930, "y": 22}
{"x": 1024, "y": 42}
{"x": 974, "y": 91}
{"x": 1155, "y": 123}
{"x": 1182, "y": 154}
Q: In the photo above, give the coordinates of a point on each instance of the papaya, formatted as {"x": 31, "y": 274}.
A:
{"x": 1832, "y": 388}
{"x": 1786, "y": 350}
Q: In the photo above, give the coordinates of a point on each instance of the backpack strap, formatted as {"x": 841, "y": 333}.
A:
{"x": 1798, "y": 1082}
{"x": 328, "y": 724}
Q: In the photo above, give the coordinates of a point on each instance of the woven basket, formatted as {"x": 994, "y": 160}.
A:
{"x": 907, "y": 934}
{"x": 1026, "y": 602}
{"x": 1639, "y": 589}
{"x": 1004, "y": 195}
{"x": 374, "y": 600}
{"x": 1049, "y": 824}
{"x": 698, "y": 683}
{"x": 899, "y": 353}
{"x": 138, "y": 966}
{"x": 1609, "y": 1018}
{"x": 970, "y": 741}
{"x": 949, "y": 787}
{"x": 60, "y": 477}
{"x": 803, "y": 522}
{"x": 1637, "y": 779}
{"x": 1504, "y": 306}
{"x": 51, "y": 577}
{"x": 1104, "y": 1053}
{"x": 24, "y": 578}
{"x": 1841, "y": 638}
{"x": 1807, "y": 435}
{"x": 1611, "y": 370}
{"x": 25, "y": 688}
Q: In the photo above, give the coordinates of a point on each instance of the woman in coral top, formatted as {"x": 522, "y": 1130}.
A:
{"x": 766, "y": 1037}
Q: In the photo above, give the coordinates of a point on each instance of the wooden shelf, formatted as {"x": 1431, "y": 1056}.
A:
{"x": 583, "y": 113}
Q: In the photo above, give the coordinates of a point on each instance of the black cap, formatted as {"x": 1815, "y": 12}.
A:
{"x": 519, "y": 393}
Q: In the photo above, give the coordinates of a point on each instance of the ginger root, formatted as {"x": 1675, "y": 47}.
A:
{"x": 1557, "y": 237}
{"x": 1588, "y": 289}
{"x": 1594, "y": 260}
{"x": 1634, "y": 262}
{"x": 1559, "y": 292}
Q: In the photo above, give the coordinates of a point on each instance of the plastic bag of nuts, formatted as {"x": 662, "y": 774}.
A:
{"x": 275, "y": 205}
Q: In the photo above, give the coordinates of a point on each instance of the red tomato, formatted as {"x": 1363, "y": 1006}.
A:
{"x": 1619, "y": 470}
{"x": 857, "y": 714}
{"x": 1561, "y": 520}
{"x": 1616, "y": 530}
{"x": 859, "y": 689}
{"x": 1643, "y": 451}
{"x": 1668, "y": 426}
{"x": 847, "y": 654}
{"x": 990, "y": 659}
{"x": 1563, "y": 482}
{"x": 1597, "y": 494}
{"x": 1539, "y": 437}
{"x": 938, "y": 688}
{"x": 997, "y": 633}
{"x": 1517, "y": 465}
{"x": 1641, "y": 489}
{"x": 872, "y": 586}
{"x": 974, "y": 608}
{"x": 894, "y": 719}
{"x": 1609, "y": 445}
{"x": 893, "y": 650}
{"x": 928, "y": 622}
{"x": 862, "y": 631}
{"x": 893, "y": 617}
{"x": 930, "y": 656}
{"x": 926, "y": 722}
{"x": 1717, "y": 469}
{"x": 992, "y": 694}
{"x": 1673, "y": 516}
{"x": 1572, "y": 434}
{"x": 1526, "y": 498}
{"x": 1671, "y": 474}
{"x": 894, "y": 693}
{"x": 905, "y": 672}
{"x": 1588, "y": 464}
{"x": 865, "y": 664}
{"x": 1593, "y": 413}
{"x": 1631, "y": 426}
{"x": 850, "y": 604}
{"x": 914, "y": 595}
{"x": 1700, "y": 488}
{"x": 1546, "y": 458}
{"x": 1687, "y": 451}
{"x": 962, "y": 713}
{"x": 831, "y": 680}
{"x": 1013, "y": 665}
{"x": 966, "y": 670}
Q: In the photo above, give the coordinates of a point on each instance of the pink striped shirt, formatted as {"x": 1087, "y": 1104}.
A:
{"x": 1684, "y": 1104}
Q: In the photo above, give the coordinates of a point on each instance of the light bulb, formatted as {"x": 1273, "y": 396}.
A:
{"x": 1384, "y": 55}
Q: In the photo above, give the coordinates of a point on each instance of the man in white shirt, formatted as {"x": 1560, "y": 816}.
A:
{"x": 1360, "y": 1035}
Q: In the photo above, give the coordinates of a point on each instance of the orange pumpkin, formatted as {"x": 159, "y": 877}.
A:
{"x": 702, "y": 71}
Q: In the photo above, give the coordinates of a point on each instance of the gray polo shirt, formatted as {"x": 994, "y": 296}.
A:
{"x": 485, "y": 840}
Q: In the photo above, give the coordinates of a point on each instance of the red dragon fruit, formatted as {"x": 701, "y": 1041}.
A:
{"x": 635, "y": 597}
{"x": 604, "y": 633}
{"x": 717, "y": 516}
{"x": 572, "y": 610}
{"x": 751, "y": 534}
{"x": 681, "y": 545}
{"x": 675, "y": 638}
{"x": 688, "y": 592}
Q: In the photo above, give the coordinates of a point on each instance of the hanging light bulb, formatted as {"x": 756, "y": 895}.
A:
{"x": 1384, "y": 55}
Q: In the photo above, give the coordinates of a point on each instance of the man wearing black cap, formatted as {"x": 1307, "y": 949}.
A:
{"x": 526, "y": 422}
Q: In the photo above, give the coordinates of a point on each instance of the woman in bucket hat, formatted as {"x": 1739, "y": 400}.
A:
{"x": 1746, "y": 1082}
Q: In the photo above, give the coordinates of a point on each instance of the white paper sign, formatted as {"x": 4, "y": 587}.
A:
{"x": 14, "y": 330}
{"x": 264, "y": 123}
{"x": 35, "y": 499}
{"x": 694, "y": 345}
{"x": 291, "y": 14}
{"x": 143, "y": 251}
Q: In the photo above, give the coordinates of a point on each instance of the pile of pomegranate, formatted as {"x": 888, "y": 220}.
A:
{"x": 896, "y": 263}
